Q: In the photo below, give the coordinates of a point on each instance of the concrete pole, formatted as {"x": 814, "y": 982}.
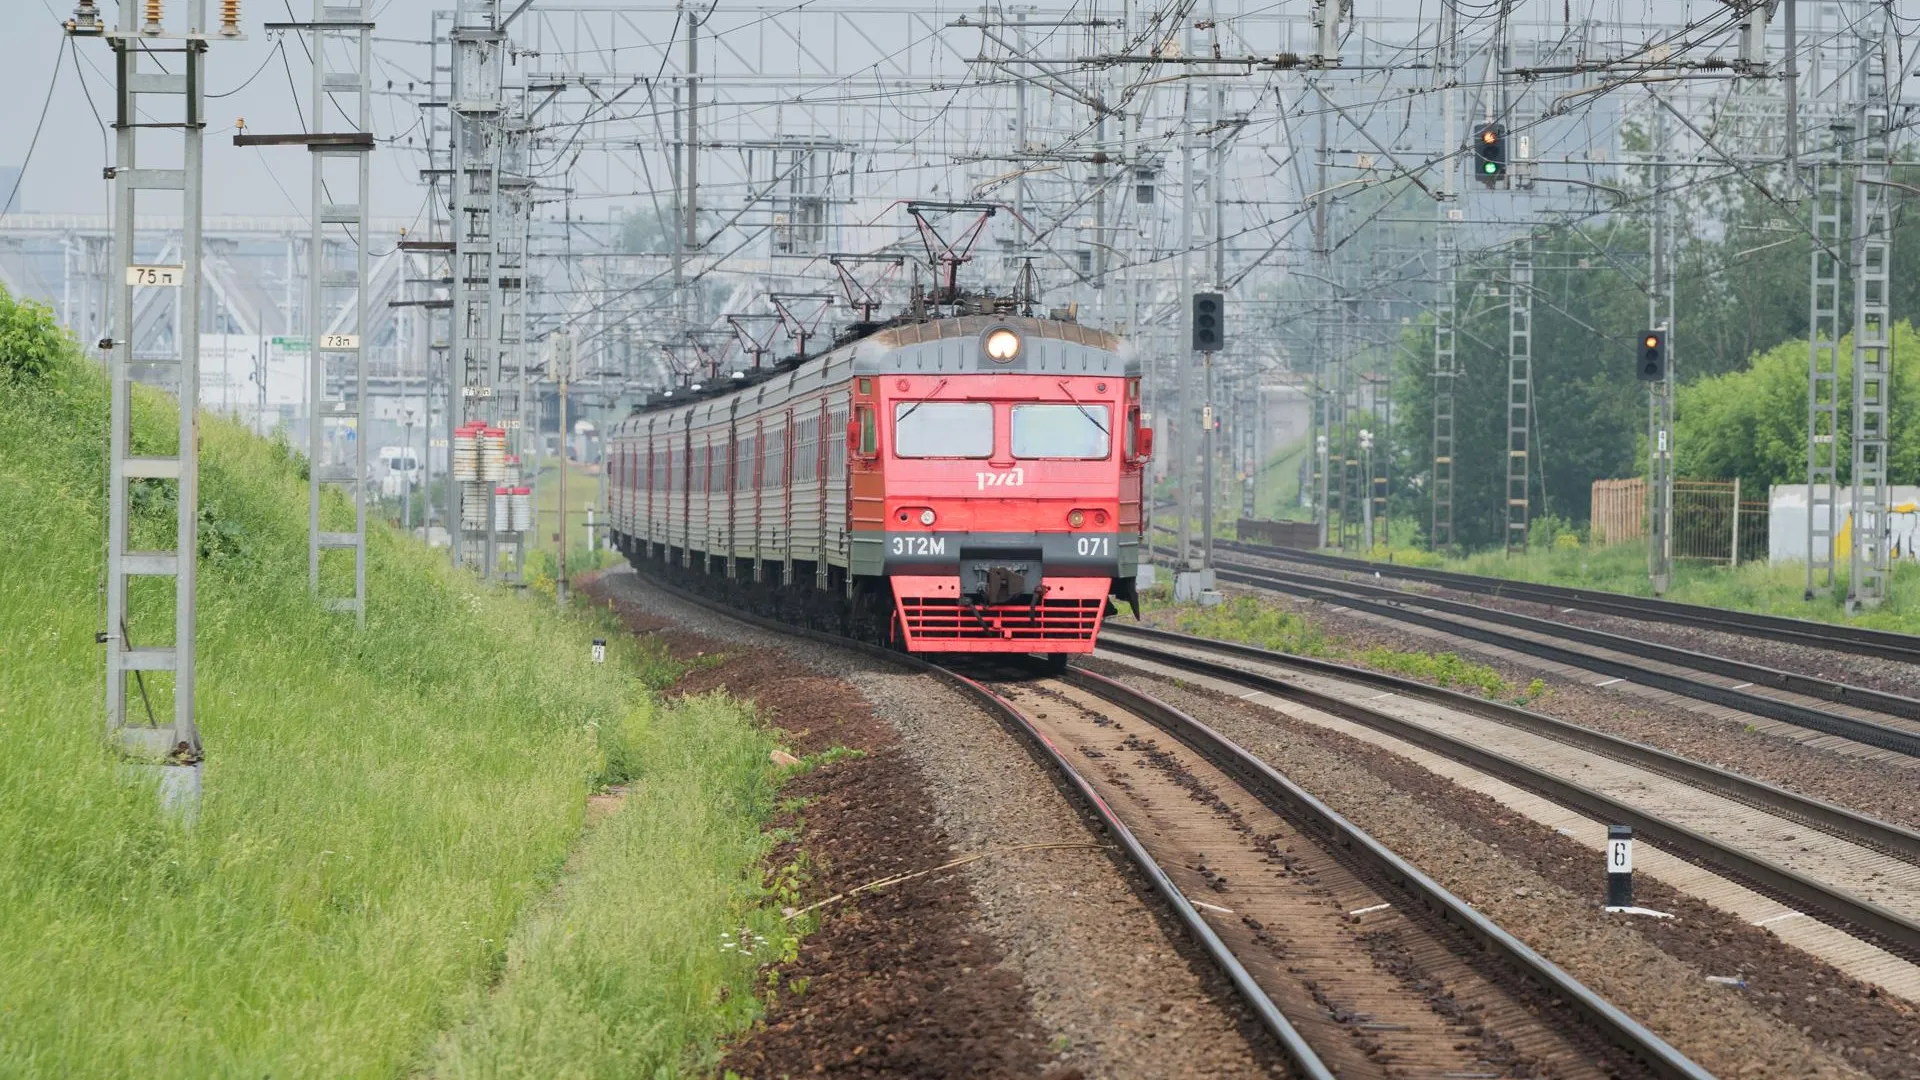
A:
{"x": 560, "y": 589}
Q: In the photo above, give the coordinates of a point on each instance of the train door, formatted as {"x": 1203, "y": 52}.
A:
{"x": 756, "y": 463}
{"x": 785, "y": 537}
{"x": 736, "y": 446}
{"x": 646, "y": 527}
{"x": 686, "y": 493}
{"x": 866, "y": 514}
{"x": 830, "y": 433}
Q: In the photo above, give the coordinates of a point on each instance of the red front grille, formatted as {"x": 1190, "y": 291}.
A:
{"x": 937, "y": 619}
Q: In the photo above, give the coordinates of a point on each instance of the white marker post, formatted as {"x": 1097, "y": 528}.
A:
{"x": 599, "y": 650}
{"x": 1619, "y": 867}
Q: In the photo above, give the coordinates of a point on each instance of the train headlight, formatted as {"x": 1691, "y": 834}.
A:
{"x": 1076, "y": 519}
{"x": 1002, "y": 345}
{"x": 926, "y": 517}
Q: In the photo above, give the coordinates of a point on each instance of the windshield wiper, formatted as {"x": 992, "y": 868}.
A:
{"x": 1091, "y": 419}
{"x": 903, "y": 416}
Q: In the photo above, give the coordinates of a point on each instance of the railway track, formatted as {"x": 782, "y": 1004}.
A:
{"x": 1835, "y": 636}
{"x": 1873, "y": 717}
{"x": 1358, "y": 963}
{"x": 1713, "y": 824}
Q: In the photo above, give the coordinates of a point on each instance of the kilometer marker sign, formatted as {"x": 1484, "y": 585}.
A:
{"x": 165, "y": 277}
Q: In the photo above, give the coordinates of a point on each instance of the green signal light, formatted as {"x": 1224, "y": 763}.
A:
{"x": 1489, "y": 168}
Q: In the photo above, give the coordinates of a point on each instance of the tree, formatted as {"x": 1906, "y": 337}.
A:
{"x": 1752, "y": 423}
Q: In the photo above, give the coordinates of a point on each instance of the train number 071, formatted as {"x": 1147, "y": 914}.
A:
{"x": 1094, "y": 545}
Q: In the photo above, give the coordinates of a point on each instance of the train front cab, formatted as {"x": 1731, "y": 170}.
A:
{"x": 1004, "y": 503}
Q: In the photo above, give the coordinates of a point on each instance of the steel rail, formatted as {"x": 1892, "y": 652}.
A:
{"x": 1863, "y": 916}
{"x": 1306, "y": 1061}
{"x": 1758, "y": 674}
{"x": 1289, "y": 799}
{"x": 1391, "y": 603}
{"x": 1885, "y": 644}
{"x": 1895, "y": 840}
{"x": 1286, "y": 797}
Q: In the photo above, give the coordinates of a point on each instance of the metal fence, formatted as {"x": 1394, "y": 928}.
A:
{"x": 1711, "y": 522}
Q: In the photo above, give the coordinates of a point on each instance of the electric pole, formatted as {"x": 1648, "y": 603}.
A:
{"x": 563, "y": 365}
{"x": 339, "y": 205}
{"x": 160, "y": 75}
{"x": 476, "y": 105}
{"x": 1872, "y": 330}
{"x": 1445, "y": 364}
{"x": 1660, "y": 315}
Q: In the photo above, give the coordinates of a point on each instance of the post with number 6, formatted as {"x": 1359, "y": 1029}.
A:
{"x": 1619, "y": 867}
{"x": 599, "y": 650}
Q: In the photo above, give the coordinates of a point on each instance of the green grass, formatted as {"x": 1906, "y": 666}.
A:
{"x": 1249, "y": 620}
{"x": 383, "y": 806}
{"x": 1258, "y": 621}
{"x": 1768, "y": 588}
{"x": 618, "y": 971}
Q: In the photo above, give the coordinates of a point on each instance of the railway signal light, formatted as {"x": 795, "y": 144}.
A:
{"x": 1209, "y": 322}
{"x": 1490, "y": 153}
{"x": 1653, "y": 356}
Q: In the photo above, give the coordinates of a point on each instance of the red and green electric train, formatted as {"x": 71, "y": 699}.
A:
{"x": 962, "y": 484}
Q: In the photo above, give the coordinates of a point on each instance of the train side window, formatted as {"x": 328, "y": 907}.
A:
{"x": 869, "y": 432}
{"x": 1133, "y": 433}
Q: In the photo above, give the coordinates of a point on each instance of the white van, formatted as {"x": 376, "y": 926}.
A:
{"x": 402, "y": 470}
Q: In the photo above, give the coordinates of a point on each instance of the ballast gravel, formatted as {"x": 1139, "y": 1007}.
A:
{"x": 1858, "y": 669}
{"x": 1793, "y": 1017}
{"x": 1878, "y": 788}
{"x": 1115, "y": 986}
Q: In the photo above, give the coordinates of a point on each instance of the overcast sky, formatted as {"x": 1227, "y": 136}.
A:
{"x": 251, "y": 78}
{"x": 64, "y": 172}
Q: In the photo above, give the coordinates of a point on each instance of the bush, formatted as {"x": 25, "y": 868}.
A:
{"x": 1545, "y": 531}
{"x": 31, "y": 343}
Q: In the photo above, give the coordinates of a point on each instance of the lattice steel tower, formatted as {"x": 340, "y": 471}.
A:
{"x": 1519, "y": 390}
{"x": 161, "y": 86}
{"x": 341, "y": 40}
{"x": 479, "y": 50}
{"x": 1872, "y": 345}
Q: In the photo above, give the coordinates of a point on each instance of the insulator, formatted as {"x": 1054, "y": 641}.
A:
{"x": 155, "y": 13}
{"x": 86, "y": 19}
{"x": 230, "y": 18}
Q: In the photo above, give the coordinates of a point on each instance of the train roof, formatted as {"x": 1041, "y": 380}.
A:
{"x": 949, "y": 346}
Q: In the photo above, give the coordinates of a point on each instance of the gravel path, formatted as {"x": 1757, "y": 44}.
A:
{"x": 1794, "y": 1017}
{"x": 1880, "y": 788}
{"x": 1115, "y": 987}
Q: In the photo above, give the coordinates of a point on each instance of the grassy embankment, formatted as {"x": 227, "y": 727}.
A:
{"x": 1270, "y": 625}
{"x": 1770, "y": 588}
{"x": 369, "y": 888}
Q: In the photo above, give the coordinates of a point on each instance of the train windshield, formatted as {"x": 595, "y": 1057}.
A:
{"x": 1061, "y": 431}
{"x": 949, "y": 429}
